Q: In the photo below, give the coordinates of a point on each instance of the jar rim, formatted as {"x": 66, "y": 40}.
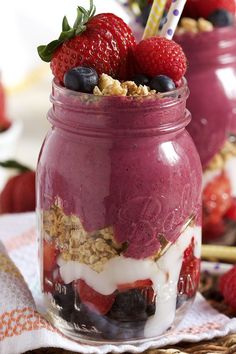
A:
{"x": 159, "y": 96}
{"x": 76, "y": 111}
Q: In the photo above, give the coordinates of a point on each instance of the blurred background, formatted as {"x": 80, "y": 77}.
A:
{"x": 26, "y": 79}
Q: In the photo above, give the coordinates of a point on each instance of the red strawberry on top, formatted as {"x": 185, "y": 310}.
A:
{"x": 160, "y": 56}
{"x": 102, "y": 42}
{"x": 191, "y": 9}
{"x": 206, "y": 7}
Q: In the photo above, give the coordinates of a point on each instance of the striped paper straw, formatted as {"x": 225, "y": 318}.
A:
{"x": 154, "y": 18}
{"x": 173, "y": 17}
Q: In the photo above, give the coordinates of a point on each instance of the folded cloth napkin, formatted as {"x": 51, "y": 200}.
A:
{"x": 22, "y": 325}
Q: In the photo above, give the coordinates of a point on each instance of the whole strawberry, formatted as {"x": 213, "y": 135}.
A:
{"x": 206, "y": 7}
{"x": 102, "y": 42}
{"x": 18, "y": 194}
{"x": 160, "y": 56}
{"x": 227, "y": 285}
{"x": 4, "y": 121}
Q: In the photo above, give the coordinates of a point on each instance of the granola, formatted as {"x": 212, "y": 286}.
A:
{"x": 91, "y": 248}
{"x": 109, "y": 86}
{"x": 218, "y": 161}
{"x": 190, "y": 25}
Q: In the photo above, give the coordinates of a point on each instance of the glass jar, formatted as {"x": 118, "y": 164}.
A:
{"x": 212, "y": 81}
{"x": 119, "y": 204}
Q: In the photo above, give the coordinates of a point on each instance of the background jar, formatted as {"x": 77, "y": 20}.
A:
{"x": 211, "y": 78}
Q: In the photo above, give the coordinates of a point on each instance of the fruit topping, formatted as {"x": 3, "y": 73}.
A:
{"x": 190, "y": 272}
{"x": 102, "y": 42}
{"x": 160, "y": 56}
{"x": 162, "y": 83}
{"x": 81, "y": 79}
{"x": 205, "y": 8}
{"x": 95, "y": 301}
{"x": 50, "y": 254}
{"x": 141, "y": 79}
{"x": 227, "y": 285}
{"x": 221, "y": 18}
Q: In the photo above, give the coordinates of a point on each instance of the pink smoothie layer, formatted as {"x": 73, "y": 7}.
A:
{"x": 114, "y": 164}
{"x": 212, "y": 82}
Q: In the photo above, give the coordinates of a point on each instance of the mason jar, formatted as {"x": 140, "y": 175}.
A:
{"x": 119, "y": 214}
{"x": 212, "y": 81}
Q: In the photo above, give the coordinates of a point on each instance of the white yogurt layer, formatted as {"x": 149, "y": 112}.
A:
{"x": 164, "y": 273}
{"x": 230, "y": 169}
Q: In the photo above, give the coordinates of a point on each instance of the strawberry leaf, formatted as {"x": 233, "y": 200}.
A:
{"x": 46, "y": 51}
{"x": 83, "y": 16}
{"x": 65, "y": 25}
{"x": 14, "y": 164}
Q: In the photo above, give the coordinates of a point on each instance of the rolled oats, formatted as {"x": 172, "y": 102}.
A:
{"x": 109, "y": 86}
{"x": 204, "y": 25}
{"x": 190, "y": 25}
{"x": 91, "y": 248}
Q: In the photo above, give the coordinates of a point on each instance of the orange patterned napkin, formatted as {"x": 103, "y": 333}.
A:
{"x": 22, "y": 325}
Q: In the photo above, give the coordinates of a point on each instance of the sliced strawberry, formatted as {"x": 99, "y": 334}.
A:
{"x": 50, "y": 254}
{"x": 95, "y": 301}
{"x": 231, "y": 212}
{"x": 190, "y": 272}
{"x": 145, "y": 283}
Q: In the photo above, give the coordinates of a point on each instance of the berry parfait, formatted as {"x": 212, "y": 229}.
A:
{"x": 207, "y": 35}
{"x": 118, "y": 184}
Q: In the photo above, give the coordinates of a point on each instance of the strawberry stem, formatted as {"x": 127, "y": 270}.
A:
{"x": 83, "y": 16}
{"x": 16, "y": 165}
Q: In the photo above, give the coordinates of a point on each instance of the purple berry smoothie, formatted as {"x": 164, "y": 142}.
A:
{"x": 128, "y": 167}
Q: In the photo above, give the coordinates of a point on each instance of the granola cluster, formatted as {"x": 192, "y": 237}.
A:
{"x": 228, "y": 151}
{"x": 94, "y": 249}
{"x": 108, "y": 86}
{"x": 190, "y": 25}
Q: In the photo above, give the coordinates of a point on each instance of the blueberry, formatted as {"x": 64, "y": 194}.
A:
{"x": 129, "y": 306}
{"x": 151, "y": 309}
{"x": 141, "y": 79}
{"x": 81, "y": 79}
{"x": 64, "y": 295}
{"x": 221, "y": 18}
{"x": 162, "y": 83}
